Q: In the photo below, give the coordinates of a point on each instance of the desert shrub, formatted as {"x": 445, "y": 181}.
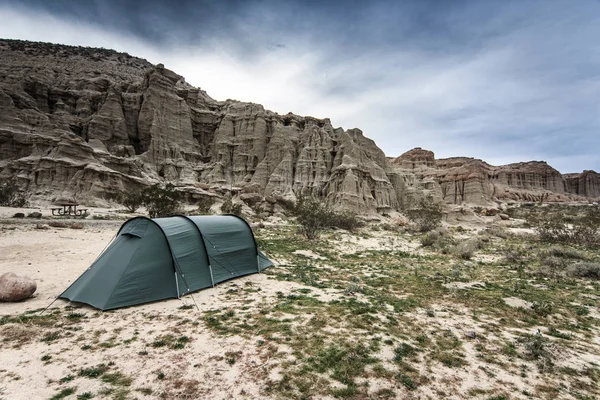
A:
{"x": 162, "y": 201}
{"x": 553, "y": 266}
{"x": 427, "y": 216}
{"x": 10, "y": 194}
{"x": 496, "y": 231}
{"x": 439, "y": 239}
{"x": 132, "y": 200}
{"x": 563, "y": 252}
{"x": 568, "y": 225}
{"x": 314, "y": 216}
{"x": 204, "y": 205}
{"x": 229, "y": 207}
{"x": 590, "y": 270}
{"x": 465, "y": 249}
{"x": 345, "y": 220}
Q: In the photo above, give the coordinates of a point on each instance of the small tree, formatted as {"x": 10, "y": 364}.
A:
{"x": 10, "y": 195}
{"x": 427, "y": 216}
{"x": 161, "y": 201}
{"x": 229, "y": 207}
{"x": 312, "y": 215}
{"x": 132, "y": 200}
{"x": 204, "y": 205}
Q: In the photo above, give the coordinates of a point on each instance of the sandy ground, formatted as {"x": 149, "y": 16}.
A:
{"x": 54, "y": 258}
{"x": 209, "y": 366}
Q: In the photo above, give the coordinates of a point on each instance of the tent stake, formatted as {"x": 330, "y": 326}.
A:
{"x": 211, "y": 275}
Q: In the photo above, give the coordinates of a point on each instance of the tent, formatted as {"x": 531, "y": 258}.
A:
{"x": 163, "y": 258}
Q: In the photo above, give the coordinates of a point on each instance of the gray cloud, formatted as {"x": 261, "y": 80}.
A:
{"x": 502, "y": 81}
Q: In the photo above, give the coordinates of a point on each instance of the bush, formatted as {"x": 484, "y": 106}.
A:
{"x": 465, "y": 249}
{"x": 568, "y": 226}
{"x": 10, "y": 195}
{"x": 348, "y": 221}
{"x": 563, "y": 252}
{"x": 427, "y": 216}
{"x": 590, "y": 270}
{"x": 439, "y": 239}
{"x": 132, "y": 200}
{"x": 229, "y": 207}
{"x": 161, "y": 201}
{"x": 204, "y": 205}
{"x": 314, "y": 216}
{"x": 553, "y": 266}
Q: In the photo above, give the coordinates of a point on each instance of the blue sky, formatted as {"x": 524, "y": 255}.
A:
{"x": 504, "y": 81}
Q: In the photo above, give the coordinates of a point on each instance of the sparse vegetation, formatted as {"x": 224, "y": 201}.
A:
{"x": 10, "y": 194}
{"x": 229, "y": 207}
{"x": 162, "y": 201}
{"x": 426, "y": 216}
{"x": 314, "y": 216}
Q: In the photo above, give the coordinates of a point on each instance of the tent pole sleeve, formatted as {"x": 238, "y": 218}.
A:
{"x": 177, "y": 284}
{"x": 211, "y": 275}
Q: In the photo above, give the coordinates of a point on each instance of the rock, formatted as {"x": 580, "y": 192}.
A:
{"x": 58, "y": 224}
{"x": 490, "y": 212}
{"x": 471, "y": 335}
{"x": 586, "y": 183}
{"x": 16, "y": 288}
{"x": 19, "y": 215}
{"x": 42, "y": 226}
{"x": 76, "y": 225}
{"x": 97, "y": 123}
{"x": 35, "y": 214}
{"x": 400, "y": 220}
{"x": 504, "y": 217}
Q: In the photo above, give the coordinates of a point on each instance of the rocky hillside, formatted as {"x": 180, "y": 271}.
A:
{"x": 88, "y": 123}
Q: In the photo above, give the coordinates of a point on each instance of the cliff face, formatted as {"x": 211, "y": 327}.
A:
{"x": 585, "y": 184}
{"x": 87, "y": 123}
{"x": 91, "y": 122}
{"x": 469, "y": 180}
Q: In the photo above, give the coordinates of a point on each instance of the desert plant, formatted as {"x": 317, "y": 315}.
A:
{"x": 312, "y": 215}
{"x": 229, "y": 207}
{"x": 563, "y": 252}
{"x": 161, "y": 201}
{"x": 132, "y": 200}
{"x": 344, "y": 220}
{"x": 590, "y": 270}
{"x": 465, "y": 249}
{"x": 426, "y": 216}
{"x": 10, "y": 194}
{"x": 204, "y": 205}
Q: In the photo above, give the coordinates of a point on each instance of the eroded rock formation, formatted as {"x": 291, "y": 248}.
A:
{"x": 87, "y": 123}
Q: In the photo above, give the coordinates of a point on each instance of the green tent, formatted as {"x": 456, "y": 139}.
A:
{"x": 164, "y": 258}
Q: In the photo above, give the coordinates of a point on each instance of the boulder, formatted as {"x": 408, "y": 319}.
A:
{"x": 19, "y": 215}
{"x": 16, "y": 288}
{"x": 504, "y": 217}
{"x": 35, "y": 214}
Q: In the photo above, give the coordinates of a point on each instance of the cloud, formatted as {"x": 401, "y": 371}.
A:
{"x": 501, "y": 81}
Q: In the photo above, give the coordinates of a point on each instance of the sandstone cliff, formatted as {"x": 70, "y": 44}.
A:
{"x": 88, "y": 123}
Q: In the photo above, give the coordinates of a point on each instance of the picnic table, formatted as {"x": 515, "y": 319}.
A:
{"x": 69, "y": 208}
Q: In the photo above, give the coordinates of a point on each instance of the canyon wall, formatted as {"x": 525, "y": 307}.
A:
{"x": 90, "y": 123}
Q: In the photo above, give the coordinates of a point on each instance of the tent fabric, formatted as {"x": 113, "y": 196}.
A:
{"x": 162, "y": 258}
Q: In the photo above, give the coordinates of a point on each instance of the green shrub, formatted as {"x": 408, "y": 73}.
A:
{"x": 582, "y": 227}
{"x": 162, "y": 201}
{"x": 10, "y": 194}
{"x": 427, "y": 216}
{"x": 590, "y": 270}
{"x": 204, "y": 205}
{"x": 563, "y": 252}
{"x": 132, "y": 200}
{"x": 314, "y": 216}
{"x": 465, "y": 250}
{"x": 229, "y": 207}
